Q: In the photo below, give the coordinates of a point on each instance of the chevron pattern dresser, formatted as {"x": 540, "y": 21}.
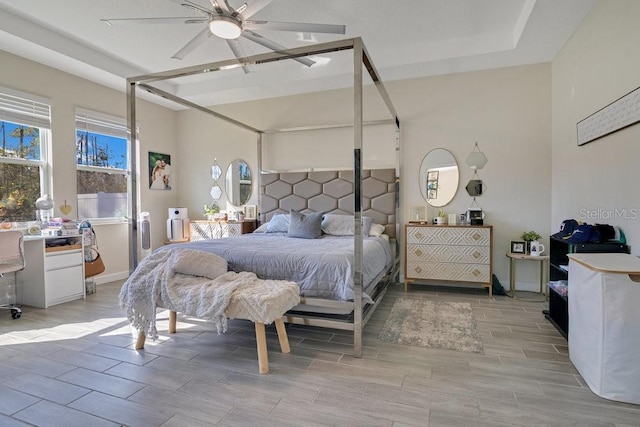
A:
{"x": 448, "y": 253}
{"x": 207, "y": 230}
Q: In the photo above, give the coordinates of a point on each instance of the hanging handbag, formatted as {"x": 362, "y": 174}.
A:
{"x": 96, "y": 266}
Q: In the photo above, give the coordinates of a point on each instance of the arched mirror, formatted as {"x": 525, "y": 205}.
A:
{"x": 238, "y": 182}
{"x": 439, "y": 177}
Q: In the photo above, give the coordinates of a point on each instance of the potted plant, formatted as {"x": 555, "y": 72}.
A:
{"x": 440, "y": 219}
{"x": 210, "y": 211}
{"x": 528, "y": 237}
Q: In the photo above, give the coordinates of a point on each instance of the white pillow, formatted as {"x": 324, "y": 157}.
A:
{"x": 279, "y": 224}
{"x": 198, "y": 263}
{"x": 377, "y": 230}
{"x": 342, "y": 225}
{"x": 262, "y": 228}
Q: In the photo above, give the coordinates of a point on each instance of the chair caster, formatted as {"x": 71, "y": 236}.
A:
{"x": 16, "y": 313}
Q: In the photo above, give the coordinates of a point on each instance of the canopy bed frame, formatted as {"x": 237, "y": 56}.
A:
{"x": 361, "y": 60}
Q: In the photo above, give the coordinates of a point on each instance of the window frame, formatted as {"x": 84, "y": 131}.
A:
{"x": 102, "y": 124}
{"x": 25, "y": 109}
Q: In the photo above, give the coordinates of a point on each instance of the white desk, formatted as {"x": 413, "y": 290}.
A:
{"x": 52, "y": 275}
{"x": 604, "y": 342}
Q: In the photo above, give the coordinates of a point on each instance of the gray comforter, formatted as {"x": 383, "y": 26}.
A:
{"x": 322, "y": 267}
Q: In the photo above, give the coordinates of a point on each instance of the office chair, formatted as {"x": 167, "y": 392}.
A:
{"x": 11, "y": 261}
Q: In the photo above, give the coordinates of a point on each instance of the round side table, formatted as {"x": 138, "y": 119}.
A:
{"x": 542, "y": 259}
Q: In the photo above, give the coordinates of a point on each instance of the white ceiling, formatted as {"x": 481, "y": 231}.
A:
{"x": 405, "y": 39}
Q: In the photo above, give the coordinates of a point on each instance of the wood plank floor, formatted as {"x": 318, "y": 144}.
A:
{"x": 74, "y": 365}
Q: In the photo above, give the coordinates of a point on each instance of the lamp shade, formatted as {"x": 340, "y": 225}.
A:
{"x": 44, "y": 203}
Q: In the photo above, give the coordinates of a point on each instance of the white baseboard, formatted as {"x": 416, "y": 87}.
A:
{"x": 101, "y": 279}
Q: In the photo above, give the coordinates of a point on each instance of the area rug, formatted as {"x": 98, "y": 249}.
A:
{"x": 435, "y": 324}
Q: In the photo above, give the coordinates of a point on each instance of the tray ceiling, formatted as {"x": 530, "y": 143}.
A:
{"x": 406, "y": 39}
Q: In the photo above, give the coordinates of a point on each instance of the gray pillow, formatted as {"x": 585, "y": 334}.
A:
{"x": 305, "y": 226}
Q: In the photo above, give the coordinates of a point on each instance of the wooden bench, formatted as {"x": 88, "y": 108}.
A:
{"x": 263, "y": 303}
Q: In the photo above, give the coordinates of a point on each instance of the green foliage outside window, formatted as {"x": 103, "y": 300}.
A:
{"x": 19, "y": 171}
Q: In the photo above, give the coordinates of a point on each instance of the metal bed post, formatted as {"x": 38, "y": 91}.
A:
{"x": 259, "y": 146}
{"x": 357, "y": 196}
{"x": 133, "y": 180}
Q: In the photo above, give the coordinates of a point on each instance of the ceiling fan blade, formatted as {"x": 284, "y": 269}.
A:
{"x": 220, "y": 6}
{"x": 238, "y": 52}
{"x": 193, "y": 6}
{"x": 299, "y": 27}
{"x": 257, "y": 38}
{"x": 252, "y": 6}
{"x": 169, "y": 20}
{"x": 193, "y": 43}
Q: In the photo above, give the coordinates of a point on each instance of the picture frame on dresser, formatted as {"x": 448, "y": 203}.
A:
{"x": 418, "y": 214}
{"x": 518, "y": 247}
{"x": 250, "y": 211}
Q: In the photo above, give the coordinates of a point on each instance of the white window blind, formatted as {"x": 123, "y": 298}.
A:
{"x": 25, "y": 109}
{"x": 103, "y": 124}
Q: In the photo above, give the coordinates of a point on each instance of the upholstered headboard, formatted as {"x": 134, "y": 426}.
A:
{"x": 330, "y": 192}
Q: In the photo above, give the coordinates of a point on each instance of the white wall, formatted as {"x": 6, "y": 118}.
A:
{"x": 597, "y": 182}
{"x": 505, "y": 110}
{"x": 157, "y": 133}
{"x": 209, "y": 138}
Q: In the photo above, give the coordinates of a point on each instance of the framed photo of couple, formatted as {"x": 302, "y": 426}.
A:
{"x": 159, "y": 171}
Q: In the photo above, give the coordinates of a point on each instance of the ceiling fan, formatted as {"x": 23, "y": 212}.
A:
{"x": 231, "y": 24}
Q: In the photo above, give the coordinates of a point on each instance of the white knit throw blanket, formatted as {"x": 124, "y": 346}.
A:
{"x": 155, "y": 280}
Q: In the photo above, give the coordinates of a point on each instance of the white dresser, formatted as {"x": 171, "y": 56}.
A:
{"x": 53, "y": 274}
{"x": 448, "y": 253}
{"x": 207, "y": 230}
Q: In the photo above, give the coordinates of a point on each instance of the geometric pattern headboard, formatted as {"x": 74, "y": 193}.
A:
{"x": 330, "y": 192}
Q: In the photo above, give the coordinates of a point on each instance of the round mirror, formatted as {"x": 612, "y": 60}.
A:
{"x": 439, "y": 177}
{"x": 238, "y": 183}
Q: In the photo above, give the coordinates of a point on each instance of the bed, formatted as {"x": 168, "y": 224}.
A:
{"x": 349, "y": 305}
{"x": 322, "y": 267}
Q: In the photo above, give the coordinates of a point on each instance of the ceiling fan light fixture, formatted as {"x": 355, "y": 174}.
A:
{"x": 225, "y": 27}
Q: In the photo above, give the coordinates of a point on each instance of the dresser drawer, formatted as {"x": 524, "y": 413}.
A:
{"x": 64, "y": 285}
{"x": 446, "y": 253}
{"x": 63, "y": 259}
{"x": 474, "y": 273}
{"x": 207, "y": 230}
{"x": 451, "y": 236}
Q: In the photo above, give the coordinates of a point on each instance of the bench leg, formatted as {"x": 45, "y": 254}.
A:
{"x": 261, "y": 339}
{"x": 282, "y": 336}
{"x": 172, "y": 330}
{"x": 172, "y": 322}
{"x": 140, "y": 342}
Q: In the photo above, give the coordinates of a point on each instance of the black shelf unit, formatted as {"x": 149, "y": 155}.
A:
{"x": 558, "y": 313}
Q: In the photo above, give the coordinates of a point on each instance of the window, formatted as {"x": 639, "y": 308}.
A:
{"x": 102, "y": 164}
{"x": 25, "y": 121}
